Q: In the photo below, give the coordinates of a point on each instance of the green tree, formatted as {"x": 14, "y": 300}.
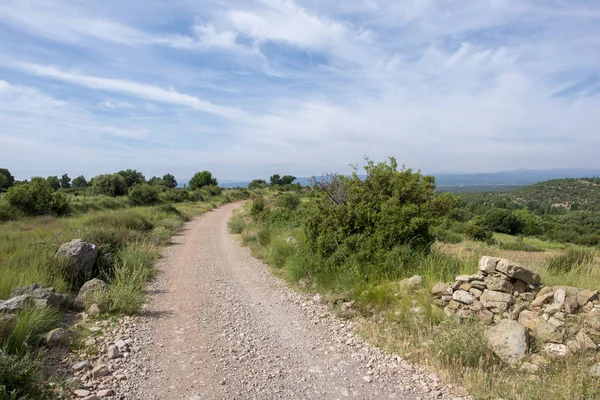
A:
{"x": 155, "y": 181}
{"x": 80, "y": 182}
{"x": 201, "y": 179}
{"x": 54, "y": 182}
{"x": 109, "y": 185}
{"x": 388, "y": 209}
{"x": 37, "y": 198}
{"x": 257, "y": 184}
{"x": 287, "y": 180}
{"x": 169, "y": 181}
{"x": 132, "y": 177}
{"x": 275, "y": 179}
{"x": 503, "y": 221}
{"x": 65, "y": 181}
{"x": 6, "y": 179}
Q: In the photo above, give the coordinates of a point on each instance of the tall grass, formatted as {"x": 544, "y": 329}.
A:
{"x": 30, "y": 323}
{"x": 21, "y": 378}
{"x": 569, "y": 260}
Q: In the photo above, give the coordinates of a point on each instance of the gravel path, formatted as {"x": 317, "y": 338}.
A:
{"x": 219, "y": 325}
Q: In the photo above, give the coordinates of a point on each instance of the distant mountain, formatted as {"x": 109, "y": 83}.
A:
{"x": 472, "y": 181}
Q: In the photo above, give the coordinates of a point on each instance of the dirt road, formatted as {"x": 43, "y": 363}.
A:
{"x": 220, "y": 326}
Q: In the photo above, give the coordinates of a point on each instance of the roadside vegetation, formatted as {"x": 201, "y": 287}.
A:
{"x": 128, "y": 218}
{"x": 356, "y": 239}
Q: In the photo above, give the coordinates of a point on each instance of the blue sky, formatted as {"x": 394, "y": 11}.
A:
{"x": 251, "y": 88}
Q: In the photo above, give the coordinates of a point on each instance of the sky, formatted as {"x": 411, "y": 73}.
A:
{"x": 247, "y": 88}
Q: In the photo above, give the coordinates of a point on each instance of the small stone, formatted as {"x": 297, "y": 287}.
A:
{"x": 553, "y": 308}
{"x": 121, "y": 344}
{"x": 367, "y": 379}
{"x": 560, "y": 296}
{"x": 585, "y": 342}
{"x": 100, "y": 370}
{"x": 555, "y": 322}
{"x": 81, "y": 365}
{"x": 318, "y": 298}
{"x": 463, "y": 296}
{"x": 571, "y": 305}
{"x": 113, "y": 352}
{"x": 57, "y": 337}
{"x": 530, "y": 368}
{"x": 584, "y": 296}
{"x": 95, "y": 329}
{"x": 81, "y": 392}
{"x": 91, "y": 397}
{"x": 415, "y": 282}
{"x": 556, "y": 350}
{"x": 94, "y": 309}
{"x": 499, "y": 300}
{"x": 527, "y": 296}
{"x": 476, "y": 292}
{"x": 542, "y": 298}
{"x": 105, "y": 393}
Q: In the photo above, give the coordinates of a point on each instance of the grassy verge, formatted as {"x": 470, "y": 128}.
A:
{"x": 407, "y": 322}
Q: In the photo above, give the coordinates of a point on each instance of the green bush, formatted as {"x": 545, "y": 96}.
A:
{"x": 257, "y": 206}
{"x": 478, "y": 233}
{"x": 37, "y": 198}
{"x": 202, "y": 179}
{"x": 503, "y": 221}
{"x": 288, "y": 200}
{"x": 237, "y": 224}
{"x": 570, "y": 259}
{"x": 263, "y": 235}
{"x": 21, "y": 378}
{"x": 173, "y": 196}
{"x": 371, "y": 216}
{"x": 144, "y": 195}
{"x": 280, "y": 250}
{"x": 112, "y": 185}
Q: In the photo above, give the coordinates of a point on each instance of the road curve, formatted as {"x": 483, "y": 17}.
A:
{"x": 219, "y": 325}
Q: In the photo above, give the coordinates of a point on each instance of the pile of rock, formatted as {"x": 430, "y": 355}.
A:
{"x": 562, "y": 319}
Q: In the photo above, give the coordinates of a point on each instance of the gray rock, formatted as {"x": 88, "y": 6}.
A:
{"x": 519, "y": 286}
{"x": 57, "y": 337}
{"x": 42, "y": 296}
{"x": 508, "y": 340}
{"x": 518, "y": 272}
{"x": 90, "y": 290}
{"x": 105, "y": 393}
{"x": 413, "y": 283}
{"x": 80, "y": 257}
{"x": 499, "y": 300}
{"x": 121, "y": 344}
{"x": 94, "y": 309}
{"x": 463, "y": 297}
{"x": 440, "y": 289}
{"x": 559, "y": 296}
{"x": 585, "y": 342}
{"x": 498, "y": 284}
{"x": 78, "y": 366}
{"x": 488, "y": 264}
{"x": 16, "y": 303}
{"x": 584, "y": 296}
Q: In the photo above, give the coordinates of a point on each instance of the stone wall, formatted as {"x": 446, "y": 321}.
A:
{"x": 552, "y": 321}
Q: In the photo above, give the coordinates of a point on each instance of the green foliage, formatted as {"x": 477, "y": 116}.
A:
{"x": 54, "y": 182}
{"x": 503, "y": 221}
{"x": 257, "y": 206}
{"x": 20, "y": 378}
{"x": 65, "y": 181}
{"x": 132, "y": 177}
{"x": 288, "y": 200}
{"x": 144, "y": 195}
{"x": 80, "y": 182}
{"x": 476, "y": 232}
{"x": 169, "y": 181}
{"x": 109, "y": 185}
{"x": 464, "y": 344}
{"x": 370, "y": 217}
{"x": 202, "y": 179}
{"x": 174, "y": 196}
{"x": 37, "y": 198}
{"x": 569, "y": 260}
{"x": 278, "y": 180}
{"x": 257, "y": 184}
{"x": 6, "y": 179}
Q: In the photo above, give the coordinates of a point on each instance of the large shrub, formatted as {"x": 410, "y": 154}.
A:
{"x": 109, "y": 185}
{"x": 132, "y": 177}
{"x": 6, "y": 179}
{"x": 288, "y": 200}
{"x": 37, "y": 198}
{"x": 144, "y": 195}
{"x": 201, "y": 179}
{"x": 503, "y": 221}
{"x": 372, "y": 216}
